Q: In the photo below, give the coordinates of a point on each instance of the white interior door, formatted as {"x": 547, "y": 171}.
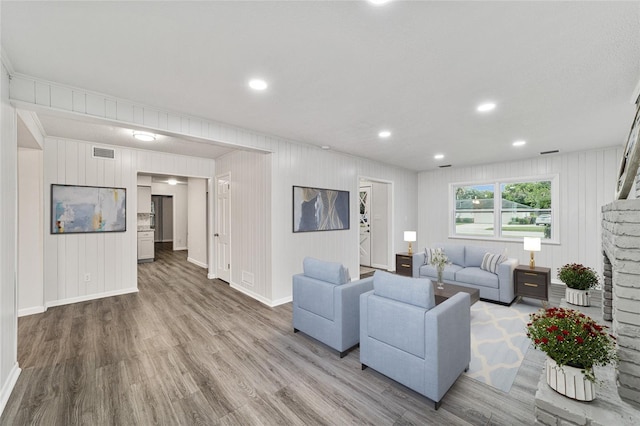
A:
{"x": 222, "y": 234}
{"x": 365, "y": 226}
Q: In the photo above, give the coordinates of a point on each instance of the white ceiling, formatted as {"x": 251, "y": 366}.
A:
{"x": 561, "y": 73}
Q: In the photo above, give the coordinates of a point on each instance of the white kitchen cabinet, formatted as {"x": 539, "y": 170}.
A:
{"x": 144, "y": 199}
{"x": 146, "y": 250}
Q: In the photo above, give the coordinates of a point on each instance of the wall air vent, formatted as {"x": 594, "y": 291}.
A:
{"x": 445, "y": 166}
{"x": 106, "y": 153}
{"x": 549, "y": 152}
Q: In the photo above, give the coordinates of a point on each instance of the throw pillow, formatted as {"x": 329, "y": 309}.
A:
{"x": 428, "y": 255}
{"x": 490, "y": 261}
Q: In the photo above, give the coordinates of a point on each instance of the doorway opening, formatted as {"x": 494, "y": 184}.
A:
{"x": 375, "y": 223}
{"x": 222, "y": 234}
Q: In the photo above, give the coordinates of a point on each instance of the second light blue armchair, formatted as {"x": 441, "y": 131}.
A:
{"x": 326, "y": 306}
{"x": 406, "y": 337}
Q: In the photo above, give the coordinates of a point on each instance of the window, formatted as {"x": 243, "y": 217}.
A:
{"x": 505, "y": 209}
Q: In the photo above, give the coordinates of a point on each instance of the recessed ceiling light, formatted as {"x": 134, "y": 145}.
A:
{"x": 438, "y": 156}
{"x": 519, "y": 143}
{"x": 172, "y": 182}
{"x": 384, "y": 134}
{"x": 486, "y": 107}
{"x": 258, "y": 84}
{"x": 144, "y": 136}
{"x": 325, "y": 147}
{"x": 379, "y": 2}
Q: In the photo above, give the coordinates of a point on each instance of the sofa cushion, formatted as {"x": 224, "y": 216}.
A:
{"x": 476, "y": 276}
{"x": 455, "y": 253}
{"x": 415, "y": 291}
{"x": 448, "y": 274}
{"x": 396, "y": 324}
{"x": 331, "y": 272}
{"x": 490, "y": 262}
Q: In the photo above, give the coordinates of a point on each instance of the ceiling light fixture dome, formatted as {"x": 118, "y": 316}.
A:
{"x": 384, "y": 134}
{"x": 144, "y": 136}
{"x": 379, "y": 2}
{"x": 486, "y": 107}
{"x": 258, "y": 84}
{"x": 519, "y": 143}
{"x": 172, "y": 182}
{"x": 438, "y": 156}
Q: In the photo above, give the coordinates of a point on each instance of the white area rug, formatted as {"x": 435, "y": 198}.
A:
{"x": 499, "y": 341}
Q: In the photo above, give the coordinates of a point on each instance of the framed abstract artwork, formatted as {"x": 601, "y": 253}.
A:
{"x": 84, "y": 209}
{"x": 318, "y": 209}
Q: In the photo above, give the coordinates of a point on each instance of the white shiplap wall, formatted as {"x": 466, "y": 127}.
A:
{"x": 110, "y": 258}
{"x": 9, "y": 370}
{"x": 291, "y": 164}
{"x": 587, "y": 181}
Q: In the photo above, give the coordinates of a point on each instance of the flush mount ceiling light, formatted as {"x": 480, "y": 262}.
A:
{"x": 379, "y": 2}
{"x": 438, "y": 156}
{"x": 172, "y": 182}
{"x": 519, "y": 143}
{"x": 486, "y": 107}
{"x": 144, "y": 136}
{"x": 325, "y": 147}
{"x": 384, "y": 134}
{"x": 258, "y": 84}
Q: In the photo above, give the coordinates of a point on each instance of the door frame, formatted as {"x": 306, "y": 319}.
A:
{"x": 369, "y": 189}
{"x": 391, "y": 220}
{"x": 213, "y": 266}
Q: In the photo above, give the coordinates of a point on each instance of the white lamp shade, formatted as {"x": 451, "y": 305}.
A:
{"x": 409, "y": 235}
{"x": 532, "y": 243}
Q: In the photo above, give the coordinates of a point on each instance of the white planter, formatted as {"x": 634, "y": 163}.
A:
{"x": 569, "y": 381}
{"x": 577, "y": 297}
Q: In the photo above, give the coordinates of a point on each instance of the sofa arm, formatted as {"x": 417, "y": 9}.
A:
{"x": 418, "y": 261}
{"x": 347, "y": 303}
{"x": 505, "y": 278}
{"x": 448, "y": 343}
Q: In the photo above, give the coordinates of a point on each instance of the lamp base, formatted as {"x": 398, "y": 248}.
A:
{"x": 532, "y": 262}
{"x": 410, "y": 248}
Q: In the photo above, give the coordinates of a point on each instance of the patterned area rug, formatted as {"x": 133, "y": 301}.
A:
{"x": 499, "y": 341}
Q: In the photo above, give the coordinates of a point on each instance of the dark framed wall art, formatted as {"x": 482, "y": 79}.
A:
{"x": 86, "y": 209}
{"x": 319, "y": 209}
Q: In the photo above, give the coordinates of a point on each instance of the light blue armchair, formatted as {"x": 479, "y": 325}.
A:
{"x": 326, "y": 306}
{"x": 409, "y": 339}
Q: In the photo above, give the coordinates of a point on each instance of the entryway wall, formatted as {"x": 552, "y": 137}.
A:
{"x": 380, "y": 222}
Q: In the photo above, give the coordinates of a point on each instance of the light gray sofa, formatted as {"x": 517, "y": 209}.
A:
{"x": 465, "y": 270}
{"x": 409, "y": 339}
{"x": 326, "y": 306}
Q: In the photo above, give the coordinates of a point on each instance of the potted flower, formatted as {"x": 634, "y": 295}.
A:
{"x": 439, "y": 260}
{"x": 579, "y": 279}
{"x": 574, "y": 343}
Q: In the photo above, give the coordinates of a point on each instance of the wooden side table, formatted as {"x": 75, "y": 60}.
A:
{"x": 533, "y": 283}
{"x": 404, "y": 264}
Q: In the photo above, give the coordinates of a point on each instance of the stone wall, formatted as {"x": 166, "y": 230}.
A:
{"x": 621, "y": 245}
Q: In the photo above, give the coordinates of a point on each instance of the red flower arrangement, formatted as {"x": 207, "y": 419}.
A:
{"x": 571, "y": 338}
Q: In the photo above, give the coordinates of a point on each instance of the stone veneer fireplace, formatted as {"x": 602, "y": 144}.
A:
{"x": 621, "y": 292}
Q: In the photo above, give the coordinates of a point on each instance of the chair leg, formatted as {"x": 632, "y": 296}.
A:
{"x": 343, "y": 354}
{"x": 363, "y": 367}
{"x": 436, "y": 405}
{"x": 295, "y": 330}
{"x": 466, "y": 369}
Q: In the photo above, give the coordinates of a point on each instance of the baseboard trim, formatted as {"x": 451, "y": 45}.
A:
{"x": 379, "y": 266}
{"x": 281, "y": 301}
{"x": 197, "y": 262}
{"x": 90, "y": 297}
{"x": 270, "y": 303}
{"x": 211, "y": 276}
{"x": 179, "y": 248}
{"x": 31, "y": 311}
{"x": 8, "y": 386}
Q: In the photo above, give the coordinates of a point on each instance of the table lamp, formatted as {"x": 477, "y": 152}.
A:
{"x": 532, "y": 244}
{"x": 410, "y": 236}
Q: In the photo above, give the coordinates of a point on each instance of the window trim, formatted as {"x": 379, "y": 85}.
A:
{"x": 497, "y": 207}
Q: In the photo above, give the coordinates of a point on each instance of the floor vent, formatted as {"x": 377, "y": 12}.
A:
{"x": 106, "y": 153}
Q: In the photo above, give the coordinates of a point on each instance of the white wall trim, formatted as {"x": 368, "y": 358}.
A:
{"x": 197, "y": 262}
{"x": 8, "y": 386}
{"x": 33, "y": 124}
{"x": 211, "y": 276}
{"x": 251, "y": 294}
{"x": 179, "y": 248}
{"x": 7, "y": 62}
{"x": 282, "y": 301}
{"x": 31, "y": 311}
{"x": 90, "y": 297}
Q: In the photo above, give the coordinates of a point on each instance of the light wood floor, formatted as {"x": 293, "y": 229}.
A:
{"x": 188, "y": 350}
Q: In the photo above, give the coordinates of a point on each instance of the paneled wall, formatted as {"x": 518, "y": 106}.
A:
{"x": 587, "y": 181}
{"x": 197, "y": 221}
{"x": 110, "y": 259}
{"x": 9, "y": 370}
